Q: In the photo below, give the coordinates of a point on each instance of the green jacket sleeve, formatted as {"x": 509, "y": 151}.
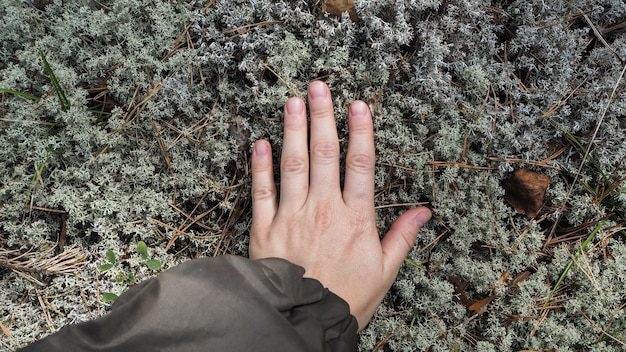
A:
{"x": 225, "y": 303}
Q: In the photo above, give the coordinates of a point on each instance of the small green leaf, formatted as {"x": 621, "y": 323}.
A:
{"x": 126, "y": 278}
{"x": 142, "y": 249}
{"x": 120, "y": 277}
{"x": 153, "y": 264}
{"x": 111, "y": 257}
{"x": 105, "y": 267}
{"x": 109, "y": 297}
{"x": 130, "y": 279}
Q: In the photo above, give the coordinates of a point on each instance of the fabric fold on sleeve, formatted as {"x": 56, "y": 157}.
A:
{"x": 225, "y": 303}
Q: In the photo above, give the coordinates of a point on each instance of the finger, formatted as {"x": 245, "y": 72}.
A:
{"x": 263, "y": 189}
{"x": 401, "y": 237}
{"x": 360, "y": 160}
{"x": 294, "y": 160}
{"x": 324, "y": 165}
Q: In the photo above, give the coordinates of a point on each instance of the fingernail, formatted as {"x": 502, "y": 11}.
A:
{"x": 358, "y": 108}
{"x": 260, "y": 148}
{"x": 317, "y": 89}
{"x": 422, "y": 217}
{"x": 294, "y": 106}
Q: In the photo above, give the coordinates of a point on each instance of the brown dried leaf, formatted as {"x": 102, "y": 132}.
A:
{"x": 505, "y": 277}
{"x": 525, "y": 190}
{"x": 480, "y": 306}
{"x": 521, "y": 277}
{"x": 459, "y": 290}
{"x": 338, "y": 7}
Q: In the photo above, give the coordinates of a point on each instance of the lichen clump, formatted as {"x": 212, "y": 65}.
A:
{"x": 167, "y": 98}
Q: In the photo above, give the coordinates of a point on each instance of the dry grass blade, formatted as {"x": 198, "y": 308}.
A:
{"x": 238, "y": 31}
{"x": 587, "y": 154}
{"x": 582, "y": 262}
{"x": 414, "y": 204}
{"x": 294, "y": 92}
{"x": 604, "y": 332}
{"x": 595, "y": 132}
{"x": 595, "y": 30}
{"x": 460, "y": 165}
{"x": 8, "y": 334}
{"x": 580, "y": 251}
{"x": 5, "y": 331}
{"x": 45, "y": 262}
{"x": 381, "y": 344}
{"x": 554, "y": 108}
{"x": 135, "y": 108}
{"x": 166, "y": 155}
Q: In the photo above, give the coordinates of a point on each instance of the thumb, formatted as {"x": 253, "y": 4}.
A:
{"x": 401, "y": 237}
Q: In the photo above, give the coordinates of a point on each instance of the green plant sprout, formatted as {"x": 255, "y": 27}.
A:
{"x": 127, "y": 278}
{"x": 65, "y": 105}
{"x": 20, "y": 94}
{"x": 60, "y": 93}
{"x": 152, "y": 264}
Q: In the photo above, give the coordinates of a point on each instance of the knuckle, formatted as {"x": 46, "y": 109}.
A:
{"x": 325, "y": 151}
{"x": 262, "y": 193}
{"x": 359, "y": 225}
{"x": 321, "y": 111}
{"x": 407, "y": 240}
{"x": 294, "y": 165}
{"x": 292, "y": 125}
{"x": 361, "y": 163}
{"x": 361, "y": 222}
{"x": 259, "y": 168}
{"x": 294, "y": 225}
{"x": 259, "y": 244}
{"x": 323, "y": 216}
{"x": 360, "y": 128}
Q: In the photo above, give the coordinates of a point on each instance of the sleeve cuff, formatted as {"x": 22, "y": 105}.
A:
{"x": 225, "y": 303}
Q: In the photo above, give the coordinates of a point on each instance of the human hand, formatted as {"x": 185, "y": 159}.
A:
{"x": 332, "y": 234}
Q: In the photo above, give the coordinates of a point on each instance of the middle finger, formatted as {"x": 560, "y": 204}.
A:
{"x": 324, "y": 145}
